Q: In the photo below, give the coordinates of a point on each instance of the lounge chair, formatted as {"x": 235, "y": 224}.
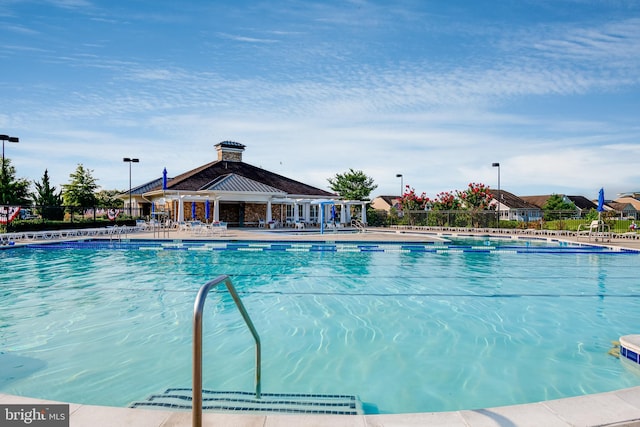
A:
{"x": 596, "y": 230}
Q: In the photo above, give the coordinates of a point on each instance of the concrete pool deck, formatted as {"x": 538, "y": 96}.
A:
{"x": 615, "y": 408}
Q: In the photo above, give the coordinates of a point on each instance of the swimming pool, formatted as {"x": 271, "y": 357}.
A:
{"x": 407, "y": 327}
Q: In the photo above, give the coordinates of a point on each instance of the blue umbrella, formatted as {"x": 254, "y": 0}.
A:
{"x": 207, "y": 210}
{"x": 193, "y": 210}
{"x": 153, "y": 208}
{"x": 164, "y": 179}
{"x": 333, "y": 213}
{"x": 601, "y": 200}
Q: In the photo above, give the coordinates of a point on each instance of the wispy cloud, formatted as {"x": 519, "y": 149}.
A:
{"x": 246, "y": 39}
{"x": 322, "y": 87}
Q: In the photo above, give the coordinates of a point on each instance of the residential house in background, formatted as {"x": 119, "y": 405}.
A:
{"x": 582, "y": 204}
{"x": 515, "y": 208}
{"x": 385, "y": 203}
{"x": 622, "y": 210}
{"x": 632, "y": 199}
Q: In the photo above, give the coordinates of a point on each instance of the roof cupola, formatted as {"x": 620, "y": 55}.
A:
{"x": 229, "y": 151}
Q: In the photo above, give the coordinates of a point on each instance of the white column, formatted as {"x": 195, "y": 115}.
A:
{"x": 216, "y": 210}
{"x": 180, "y": 209}
{"x": 296, "y": 216}
{"x": 343, "y": 214}
{"x": 307, "y": 212}
{"x": 269, "y": 218}
{"x": 364, "y": 213}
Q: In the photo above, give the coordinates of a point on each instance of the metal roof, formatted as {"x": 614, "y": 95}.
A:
{"x": 236, "y": 183}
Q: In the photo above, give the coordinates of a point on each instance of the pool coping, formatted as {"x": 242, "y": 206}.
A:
{"x": 614, "y": 408}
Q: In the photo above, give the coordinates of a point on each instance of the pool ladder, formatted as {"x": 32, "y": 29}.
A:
{"x": 198, "y": 310}
{"x": 338, "y": 404}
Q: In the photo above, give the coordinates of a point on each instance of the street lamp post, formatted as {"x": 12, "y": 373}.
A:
{"x": 497, "y": 165}
{"x": 10, "y": 139}
{"x": 399, "y": 175}
{"x": 129, "y": 160}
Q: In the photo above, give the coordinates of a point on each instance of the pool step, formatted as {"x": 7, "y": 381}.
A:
{"x": 246, "y": 402}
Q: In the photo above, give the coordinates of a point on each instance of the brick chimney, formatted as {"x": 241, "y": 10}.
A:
{"x": 229, "y": 151}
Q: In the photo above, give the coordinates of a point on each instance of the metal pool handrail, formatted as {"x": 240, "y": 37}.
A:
{"x": 197, "y": 342}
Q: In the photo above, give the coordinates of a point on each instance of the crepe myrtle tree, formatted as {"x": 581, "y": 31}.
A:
{"x": 411, "y": 203}
{"x": 352, "y": 185}
{"x": 476, "y": 197}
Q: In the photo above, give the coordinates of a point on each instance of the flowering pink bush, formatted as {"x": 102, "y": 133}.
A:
{"x": 446, "y": 201}
{"x": 476, "y": 197}
{"x": 411, "y": 201}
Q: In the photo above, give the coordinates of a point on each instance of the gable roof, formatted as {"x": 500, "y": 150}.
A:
{"x": 237, "y": 183}
{"x": 390, "y": 200}
{"x": 631, "y": 200}
{"x": 143, "y": 188}
{"x": 621, "y": 206}
{"x": 241, "y": 175}
{"x": 512, "y": 201}
{"x": 538, "y": 201}
{"x": 582, "y": 202}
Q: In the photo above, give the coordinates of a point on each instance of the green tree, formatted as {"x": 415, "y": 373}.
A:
{"x": 352, "y": 185}
{"x": 556, "y": 206}
{"x": 12, "y": 191}
{"x": 81, "y": 191}
{"x": 46, "y": 197}
{"x": 109, "y": 199}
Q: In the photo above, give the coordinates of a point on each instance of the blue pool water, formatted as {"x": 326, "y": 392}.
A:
{"x": 407, "y": 327}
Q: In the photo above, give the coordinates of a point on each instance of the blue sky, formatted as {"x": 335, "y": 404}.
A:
{"x": 434, "y": 90}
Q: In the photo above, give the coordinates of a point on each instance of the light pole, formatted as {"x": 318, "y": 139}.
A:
{"x": 399, "y": 175}
{"x": 128, "y": 160}
{"x": 497, "y": 165}
{"x": 10, "y": 139}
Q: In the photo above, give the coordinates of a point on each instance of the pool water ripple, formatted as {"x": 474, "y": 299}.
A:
{"x": 407, "y": 331}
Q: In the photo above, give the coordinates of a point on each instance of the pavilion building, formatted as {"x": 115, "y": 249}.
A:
{"x": 240, "y": 194}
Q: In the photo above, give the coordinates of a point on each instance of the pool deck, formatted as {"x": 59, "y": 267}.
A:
{"x": 615, "y": 408}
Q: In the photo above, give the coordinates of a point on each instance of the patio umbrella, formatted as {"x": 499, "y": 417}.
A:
{"x": 600, "y": 203}
{"x": 601, "y": 200}
{"x": 153, "y": 208}
{"x": 164, "y": 179}
{"x": 207, "y": 210}
{"x": 333, "y": 213}
{"x": 193, "y": 210}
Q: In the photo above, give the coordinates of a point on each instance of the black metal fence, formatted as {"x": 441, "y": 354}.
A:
{"x": 28, "y": 218}
{"x": 554, "y": 220}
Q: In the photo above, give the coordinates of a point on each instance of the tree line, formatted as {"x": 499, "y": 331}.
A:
{"x": 82, "y": 190}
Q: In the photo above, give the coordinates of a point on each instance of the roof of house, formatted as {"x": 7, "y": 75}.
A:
{"x": 235, "y": 176}
{"x": 390, "y": 200}
{"x": 511, "y": 200}
{"x": 581, "y": 202}
{"x": 538, "y": 201}
{"x": 634, "y": 202}
{"x": 147, "y": 186}
{"x": 621, "y": 206}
